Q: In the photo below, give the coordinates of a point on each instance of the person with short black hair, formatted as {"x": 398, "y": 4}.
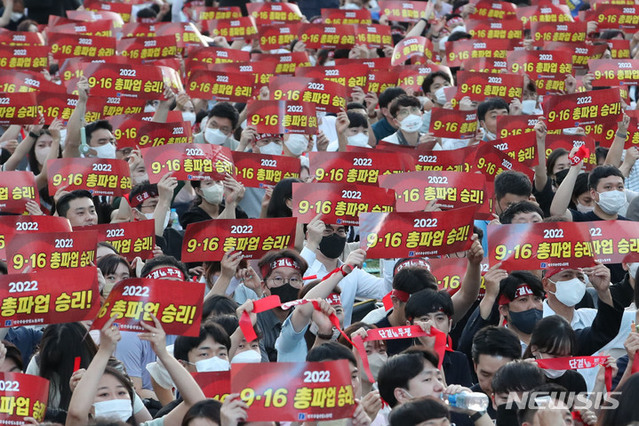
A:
{"x": 385, "y": 126}
{"x": 511, "y": 187}
{"x": 509, "y": 385}
{"x": 417, "y": 411}
{"x": 522, "y": 212}
{"x": 433, "y": 87}
{"x": 487, "y": 113}
{"x": 406, "y": 112}
{"x": 352, "y": 130}
{"x": 221, "y": 122}
{"x": 78, "y": 207}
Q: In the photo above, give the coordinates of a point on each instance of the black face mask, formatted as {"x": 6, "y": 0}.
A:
{"x": 332, "y": 246}
{"x": 286, "y": 292}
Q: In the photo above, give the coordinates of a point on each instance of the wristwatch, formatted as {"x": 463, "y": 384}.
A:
{"x": 34, "y": 135}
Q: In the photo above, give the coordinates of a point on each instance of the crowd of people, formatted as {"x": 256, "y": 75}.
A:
{"x": 503, "y": 328}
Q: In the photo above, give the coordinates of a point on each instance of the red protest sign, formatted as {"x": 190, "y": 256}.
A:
{"x": 24, "y": 57}
{"x": 325, "y": 36}
{"x": 450, "y": 123}
{"x": 349, "y": 76}
{"x": 188, "y": 162}
{"x": 148, "y": 48}
{"x": 282, "y": 117}
{"x": 380, "y": 80}
{"x": 278, "y": 36}
{"x": 544, "y": 12}
{"x": 130, "y": 239}
{"x": 12, "y": 225}
{"x": 457, "y": 160}
{"x": 403, "y": 11}
{"x": 204, "y": 13}
{"x": 23, "y": 395}
{"x": 185, "y": 33}
{"x": 479, "y": 85}
{"x": 568, "y": 142}
{"x": 512, "y": 125}
{"x": 530, "y": 246}
{"x": 373, "y": 36}
{"x": 491, "y": 162}
{"x": 614, "y": 72}
{"x": 358, "y": 167}
{"x": 494, "y": 65}
{"x": 215, "y": 384}
{"x": 46, "y": 297}
{"x": 521, "y": 148}
{"x": 509, "y": 29}
{"x": 96, "y": 15}
{"x": 214, "y": 55}
{"x": 209, "y": 240}
{"x": 260, "y": 170}
{"x": 18, "y": 108}
{"x": 285, "y": 63}
{"x": 64, "y": 46}
{"x": 69, "y": 26}
{"x": 547, "y": 68}
{"x": 143, "y": 133}
{"x": 339, "y": 203}
{"x": 100, "y": 107}
{"x": 144, "y": 81}
{"x": 460, "y": 50}
{"x": 450, "y": 273}
{"x": 55, "y": 105}
{"x": 220, "y": 86}
{"x": 543, "y": 32}
{"x": 413, "y": 75}
{"x": 262, "y": 72}
{"x": 295, "y": 391}
{"x": 619, "y": 49}
{"x": 418, "y": 49}
{"x": 581, "y": 53}
{"x": 20, "y": 38}
{"x": 177, "y": 305}
{"x": 385, "y": 235}
{"x": 326, "y": 95}
{"x": 342, "y": 16}
{"x": 415, "y": 190}
{"x": 579, "y": 109}
{"x": 98, "y": 175}
{"x": 493, "y": 9}
{"x": 123, "y": 9}
{"x": 49, "y": 251}
{"x": 232, "y": 29}
{"x": 616, "y": 17}
{"x": 16, "y": 188}
{"x": 274, "y": 13}
{"x": 613, "y": 241}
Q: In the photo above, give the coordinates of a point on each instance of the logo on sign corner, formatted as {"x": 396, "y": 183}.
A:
{"x": 7, "y": 323}
{"x": 411, "y": 253}
{"x": 339, "y": 221}
{"x": 189, "y": 177}
{"x": 301, "y": 416}
{"x": 543, "y": 265}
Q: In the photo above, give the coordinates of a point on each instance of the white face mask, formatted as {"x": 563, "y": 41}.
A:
{"x": 351, "y": 6}
{"x": 359, "y": 139}
{"x": 212, "y": 364}
{"x": 213, "y": 194}
{"x": 632, "y": 269}
{"x": 611, "y": 201}
{"x": 41, "y": 155}
{"x": 569, "y": 292}
{"x": 149, "y": 108}
{"x": 376, "y": 361}
{"x": 297, "y": 144}
{"x": 584, "y": 209}
{"x": 188, "y": 116}
{"x": 528, "y": 106}
{"x": 16, "y": 16}
{"x": 411, "y": 124}
{"x": 120, "y": 409}
{"x": 488, "y": 135}
{"x": 214, "y": 136}
{"x": 149, "y": 216}
{"x": 247, "y": 357}
{"x": 440, "y": 96}
{"x": 105, "y": 151}
{"x": 271, "y": 148}
{"x": 329, "y": 63}
{"x": 553, "y": 374}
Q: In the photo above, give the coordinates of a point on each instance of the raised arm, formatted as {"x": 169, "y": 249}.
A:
{"x": 22, "y": 149}
{"x": 541, "y": 174}
{"x": 467, "y": 294}
{"x": 43, "y": 176}
{"x": 559, "y": 206}
{"x": 72, "y": 142}
{"x": 616, "y": 149}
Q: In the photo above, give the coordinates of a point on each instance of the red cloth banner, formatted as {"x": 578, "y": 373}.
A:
{"x": 98, "y": 175}
{"x": 130, "y": 239}
{"x": 16, "y": 188}
{"x": 260, "y": 170}
{"x": 22, "y": 395}
{"x": 358, "y": 167}
{"x": 188, "y": 162}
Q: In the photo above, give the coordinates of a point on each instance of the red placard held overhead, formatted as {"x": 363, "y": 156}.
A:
{"x": 386, "y": 235}
{"x": 544, "y": 32}
{"x": 568, "y": 142}
{"x": 24, "y": 395}
{"x": 232, "y": 29}
{"x": 493, "y": 9}
{"x": 123, "y": 9}
{"x": 619, "y": 49}
{"x": 510, "y": 29}
{"x": 278, "y": 36}
{"x": 295, "y": 391}
{"x": 491, "y": 162}
{"x": 450, "y": 123}
{"x": 260, "y": 170}
{"x": 479, "y": 86}
{"x": 18, "y": 108}
{"x": 203, "y": 13}
{"x": 616, "y": 17}
{"x": 220, "y": 85}
{"x": 614, "y": 72}
{"x": 450, "y": 273}
{"x": 142, "y": 133}
{"x": 98, "y": 175}
{"x": 274, "y": 13}
{"x": 325, "y": 36}
{"x": 613, "y": 241}
{"x": 349, "y": 76}
{"x": 358, "y": 167}
{"x": 50, "y": 251}
{"x": 215, "y": 384}
{"x": 460, "y": 50}
{"x": 188, "y": 162}
{"x": 20, "y": 38}
{"x": 581, "y": 53}
{"x": 209, "y": 240}
{"x": 339, "y": 203}
{"x": 178, "y": 305}
{"x": 12, "y": 225}
{"x": 374, "y": 36}
{"x": 326, "y": 95}
{"x": 130, "y": 239}
{"x": 454, "y": 160}
{"x": 40, "y": 298}
{"x": 148, "y": 48}
{"x": 285, "y": 63}
{"x": 547, "y": 68}
{"x": 522, "y": 148}
{"x": 418, "y": 49}
{"x": 64, "y": 46}
{"x": 579, "y": 109}
{"x": 342, "y": 16}
{"x": 144, "y": 81}
{"x": 24, "y": 57}
{"x": 16, "y": 189}
{"x": 403, "y": 11}
{"x": 513, "y": 125}
{"x": 215, "y": 55}
{"x": 494, "y": 65}
{"x": 282, "y": 117}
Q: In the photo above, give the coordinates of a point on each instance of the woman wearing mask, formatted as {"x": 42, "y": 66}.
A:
{"x": 103, "y": 393}
{"x": 215, "y": 200}
{"x": 114, "y": 268}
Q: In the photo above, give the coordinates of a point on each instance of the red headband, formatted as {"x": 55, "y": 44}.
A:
{"x": 414, "y": 262}
{"x": 334, "y": 299}
{"x": 454, "y": 21}
{"x": 284, "y": 262}
{"x": 261, "y": 136}
{"x": 144, "y": 196}
{"x": 402, "y": 296}
{"x": 555, "y": 270}
{"x": 522, "y": 290}
{"x": 166, "y": 271}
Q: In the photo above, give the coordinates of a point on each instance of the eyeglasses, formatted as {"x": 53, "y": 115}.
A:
{"x": 294, "y": 281}
{"x": 330, "y": 231}
{"x": 405, "y": 112}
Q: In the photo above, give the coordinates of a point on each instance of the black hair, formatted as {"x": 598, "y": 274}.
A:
{"x": 31, "y": 158}
{"x": 581, "y": 186}
{"x": 601, "y": 153}
{"x": 387, "y": 96}
{"x": 274, "y": 255}
{"x": 282, "y": 191}
{"x": 330, "y": 351}
{"x": 411, "y": 280}
{"x": 147, "y": 13}
{"x": 517, "y": 376}
{"x": 108, "y": 245}
{"x": 97, "y": 125}
{"x": 354, "y": 105}
{"x": 13, "y": 353}
{"x": 208, "y": 409}
{"x": 417, "y": 411}
{"x": 351, "y": 329}
{"x": 356, "y": 119}
{"x": 496, "y": 341}
{"x": 553, "y": 390}
{"x": 552, "y": 159}
{"x": 3, "y": 268}
{"x": 62, "y": 206}
{"x": 184, "y": 344}
{"x": 601, "y": 172}
{"x": 459, "y": 35}
{"x": 225, "y": 110}
{"x": 610, "y": 34}
{"x": 512, "y": 182}
{"x": 221, "y": 305}
{"x": 228, "y": 322}
{"x": 552, "y": 335}
{"x": 490, "y": 104}
{"x": 403, "y": 101}
{"x": 520, "y": 207}
{"x": 109, "y": 263}
{"x": 428, "y": 301}
{"x": 140, "y": 188}
{"x": 163, "y": 260}
{"x": 508, "y": 286}
{"x": 400, "y": 369}
{"x": 430, "y": 79}
{"x": 628, "y": 410}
